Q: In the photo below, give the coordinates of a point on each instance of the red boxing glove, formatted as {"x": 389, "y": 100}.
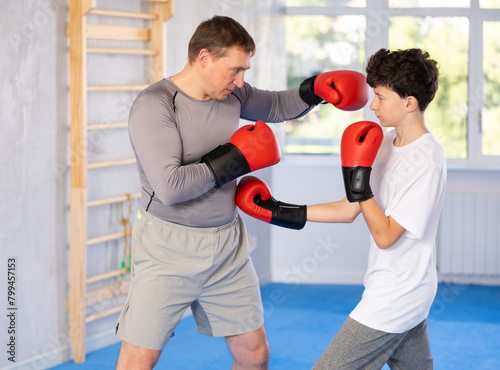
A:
{"x": 251, "y": 147}
{"x": 346, "y": 90}
{"x": 358, "y": 149}
{"x": 254, "y": 198}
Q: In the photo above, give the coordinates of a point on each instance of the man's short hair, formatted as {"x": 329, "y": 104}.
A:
{"x": 217, "y": 35}
{"x": 409, "y": 72}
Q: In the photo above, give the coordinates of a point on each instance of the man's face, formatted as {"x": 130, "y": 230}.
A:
{"x": 224, "y": 74}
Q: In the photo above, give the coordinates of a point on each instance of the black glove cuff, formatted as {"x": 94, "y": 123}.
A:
{"x": 291, "y": 216}
{"x": 306, "y": 92}
{"x": 226, "y": 163}
{"x": 357, "y": 183}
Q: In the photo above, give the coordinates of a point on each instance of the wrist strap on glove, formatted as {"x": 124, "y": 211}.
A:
{"x": 226, "y": 163}
{"x": 357, "y": 183}
{"x": 306, "y": 92}
{"x": 287, "y": 215}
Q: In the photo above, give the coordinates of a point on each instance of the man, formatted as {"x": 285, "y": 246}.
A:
{"x": 190, "y": 247}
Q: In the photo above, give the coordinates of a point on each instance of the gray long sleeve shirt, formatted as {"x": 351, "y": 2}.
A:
{"x": 170, "y": 131}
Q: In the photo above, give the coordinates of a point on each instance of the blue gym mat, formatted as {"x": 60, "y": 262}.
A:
{"x": 301, "y": 320}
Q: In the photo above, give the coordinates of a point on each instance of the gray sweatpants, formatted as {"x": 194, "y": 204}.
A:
{"x": 357, "y": 346}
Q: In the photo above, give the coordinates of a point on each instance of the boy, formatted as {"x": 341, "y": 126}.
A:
{"x": 401, "y": 208}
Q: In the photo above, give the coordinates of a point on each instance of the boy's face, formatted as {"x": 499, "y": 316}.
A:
{"x": 388, "y": 106}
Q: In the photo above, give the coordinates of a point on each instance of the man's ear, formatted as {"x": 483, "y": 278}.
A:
{"x": 411, "y": 103}
{"x": 203, "y": 58}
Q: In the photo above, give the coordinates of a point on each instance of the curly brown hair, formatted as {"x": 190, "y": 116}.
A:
{"x": 409, "y": 72}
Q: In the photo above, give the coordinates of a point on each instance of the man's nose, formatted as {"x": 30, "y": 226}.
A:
{"x": 240, "y": 79}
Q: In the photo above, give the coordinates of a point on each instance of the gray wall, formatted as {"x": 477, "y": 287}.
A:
{"x": 33, "y": 182}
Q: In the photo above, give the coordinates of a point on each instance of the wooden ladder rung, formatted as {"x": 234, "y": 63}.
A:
{"x": 107, "y": 275}
{"x": 106, "y": 125}
{"x": 107, "y": 292}
{"x": 108, "y": 237}
{"x": 131, "y": 51}
{"x": 122, "y": 14}
{"x": 104, "y": 32}
{"x": 99, "y": 315}
{"x": 106, "y": 164}
{"x": 111, "y": 200}
{"x": 116, "y": 87}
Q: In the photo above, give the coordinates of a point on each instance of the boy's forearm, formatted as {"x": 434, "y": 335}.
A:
{"x": 336, "y": 212}
{"x": 384, "y": 229}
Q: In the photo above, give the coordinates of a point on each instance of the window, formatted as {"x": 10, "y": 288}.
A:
{"x": 447, "y": 41}
{"x": 316, "y": 44}
{"x": 429, "y": 3}
{"x": 494, "y": 4}
{"x": 490, "y": 114}
{"x": 327, "y": 3}
{"x": 461, "y": 35}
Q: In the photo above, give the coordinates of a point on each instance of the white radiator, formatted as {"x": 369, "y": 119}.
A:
{"x": 468, "y": 241}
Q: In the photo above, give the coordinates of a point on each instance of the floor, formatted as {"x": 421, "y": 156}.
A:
{"x": 301, "y": 320}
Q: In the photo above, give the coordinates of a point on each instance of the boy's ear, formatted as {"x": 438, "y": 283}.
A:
{"x": 411, "y": 103}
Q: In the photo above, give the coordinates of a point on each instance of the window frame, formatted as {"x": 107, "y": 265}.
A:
{"x": 378, "y": 14}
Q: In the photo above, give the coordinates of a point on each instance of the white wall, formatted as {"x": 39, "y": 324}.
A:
{"x": 319, "y": 253}
{"x": 34, "y": 154}
{"x": 337, "y": 253}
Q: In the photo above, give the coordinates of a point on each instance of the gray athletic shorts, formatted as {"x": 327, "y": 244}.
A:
{"x": 175, "y": 267}
{"x": 357, "y": 346}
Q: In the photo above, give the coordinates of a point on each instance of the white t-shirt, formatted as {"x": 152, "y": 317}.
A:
{"x": 401, "y": 281}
